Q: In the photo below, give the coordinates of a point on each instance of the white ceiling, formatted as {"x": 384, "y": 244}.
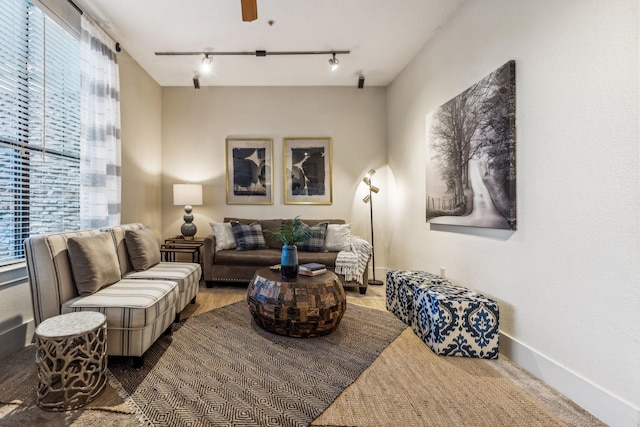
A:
{"x": 382, "y": 35}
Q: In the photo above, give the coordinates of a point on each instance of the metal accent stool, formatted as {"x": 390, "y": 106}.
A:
{"x": 71, "y": 355}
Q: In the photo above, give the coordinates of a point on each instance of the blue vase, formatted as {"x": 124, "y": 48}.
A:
{"x": 289, "y": 262}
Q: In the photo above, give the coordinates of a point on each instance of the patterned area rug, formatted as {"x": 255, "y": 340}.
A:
{"x": 221, "y": 369}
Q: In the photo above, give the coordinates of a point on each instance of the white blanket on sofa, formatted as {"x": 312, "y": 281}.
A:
{"x": 352, "y": 264}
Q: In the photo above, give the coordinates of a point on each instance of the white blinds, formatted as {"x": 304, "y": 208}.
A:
{"x": 39, "y": 127}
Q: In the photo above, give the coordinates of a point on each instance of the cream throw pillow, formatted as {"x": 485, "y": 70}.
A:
{"x": 94, "y": 262}
{"x": 223, "y": 233}
{"x": 143, "y": 248}
{"x": 338, "y": 238}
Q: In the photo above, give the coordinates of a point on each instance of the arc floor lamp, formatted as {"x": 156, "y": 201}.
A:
{"x": 368, "y": 199}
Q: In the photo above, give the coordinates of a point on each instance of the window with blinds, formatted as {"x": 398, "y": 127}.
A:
{"x": 39, "y": 127}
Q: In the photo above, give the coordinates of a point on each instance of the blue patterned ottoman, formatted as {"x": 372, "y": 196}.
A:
{"x": 456, "y": 321}
{"x": 401, "y": 285}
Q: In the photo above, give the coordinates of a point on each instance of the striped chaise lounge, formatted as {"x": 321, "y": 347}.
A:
{"x": 83, "y": 271}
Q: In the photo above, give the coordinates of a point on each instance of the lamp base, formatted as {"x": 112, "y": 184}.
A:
{"x": 375, "y": 282}
{"x": 188, "y": 230}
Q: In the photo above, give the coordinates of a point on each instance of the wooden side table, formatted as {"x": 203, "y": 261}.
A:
{"x": 307, "y": 306}
{"x": 71, "y": 355}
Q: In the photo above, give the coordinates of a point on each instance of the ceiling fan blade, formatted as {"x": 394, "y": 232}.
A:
{"x": 249, "y": 10}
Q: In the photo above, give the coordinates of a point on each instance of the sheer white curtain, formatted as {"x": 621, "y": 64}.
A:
{"x": 100, "y": 176}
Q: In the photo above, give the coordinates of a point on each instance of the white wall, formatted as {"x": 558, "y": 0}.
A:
{"x": 195, "y": 124}
{"x": 568, "y": 279}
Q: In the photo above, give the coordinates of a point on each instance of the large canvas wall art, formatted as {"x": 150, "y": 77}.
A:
{"x": 249, "y": 177}
{"x": 471, "y": 155}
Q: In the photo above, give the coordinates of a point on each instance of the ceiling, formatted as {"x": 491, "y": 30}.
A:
{"x": 382, "y": 35}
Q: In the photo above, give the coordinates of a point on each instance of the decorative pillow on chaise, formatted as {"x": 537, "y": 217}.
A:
{"x": 224, "y": 235}
{"x": 338, "y": 238}
{"x": 248, "y": 236}
{"x": 94, "y": 262}
{"x": 143, "y": 248}
{"x": 315, "y": 243}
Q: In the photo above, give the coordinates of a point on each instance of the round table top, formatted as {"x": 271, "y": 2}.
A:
{"x": 276, "y": 276}
{"x": 70, "y": 324}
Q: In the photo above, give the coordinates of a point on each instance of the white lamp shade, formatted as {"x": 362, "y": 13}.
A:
{"x": 187, "y": 194}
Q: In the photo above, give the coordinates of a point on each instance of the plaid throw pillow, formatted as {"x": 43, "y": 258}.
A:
{"x": 315, "y": 243}
{"x": 248, "y": 236}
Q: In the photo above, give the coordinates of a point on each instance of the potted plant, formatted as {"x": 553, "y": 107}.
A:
{"x": 291, "y": 232}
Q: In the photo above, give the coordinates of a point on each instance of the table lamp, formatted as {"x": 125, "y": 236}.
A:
{"x": 187, "y": 195}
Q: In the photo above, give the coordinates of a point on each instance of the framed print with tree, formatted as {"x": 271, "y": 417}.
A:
{"x": 471, "y": 155}
{"x": 307, "y": 171}
{"x": 249, "y": 171}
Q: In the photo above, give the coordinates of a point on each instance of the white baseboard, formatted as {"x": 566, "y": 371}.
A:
{"x": 608, "y": 408}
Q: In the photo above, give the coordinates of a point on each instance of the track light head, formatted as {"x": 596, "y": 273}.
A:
{"x": 196, "y": 82}
{"x": 333, "y": 63}
{"x": 205, "y": 66}
{"x": 366, "y": 198}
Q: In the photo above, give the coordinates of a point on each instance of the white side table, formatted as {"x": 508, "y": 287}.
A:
{"x": 71, "y": 354}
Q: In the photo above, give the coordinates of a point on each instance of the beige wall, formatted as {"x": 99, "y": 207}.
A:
{"x": 195, "y": 124}
{"x": 141, "y": 116}
{"x": 567, "y": 279}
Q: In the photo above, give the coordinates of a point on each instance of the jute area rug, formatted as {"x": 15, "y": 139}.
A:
{"x": 221, "y": 369}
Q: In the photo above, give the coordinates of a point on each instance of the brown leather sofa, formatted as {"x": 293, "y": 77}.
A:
{"x": 230, "y": 265}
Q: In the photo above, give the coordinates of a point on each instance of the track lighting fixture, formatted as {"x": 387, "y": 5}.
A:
{"x": 260, "y": 53}
{"x": 333, "y": 62}
{"x": 208, "y": 58}
{"x": 205, "y": 67}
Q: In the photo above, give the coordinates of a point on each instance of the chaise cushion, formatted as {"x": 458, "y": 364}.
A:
{"x": 143, "y": 248}
{"x": 137, "y": 312}
{"x": 248, "y": 237}
{"x": 185, "y": 274}
{"x": 94, "y": 262}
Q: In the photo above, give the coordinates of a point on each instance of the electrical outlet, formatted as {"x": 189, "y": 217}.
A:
{"x": 442, "y": 271}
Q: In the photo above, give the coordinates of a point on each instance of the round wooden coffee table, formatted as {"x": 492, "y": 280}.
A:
{"x": 301, "y": 307}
